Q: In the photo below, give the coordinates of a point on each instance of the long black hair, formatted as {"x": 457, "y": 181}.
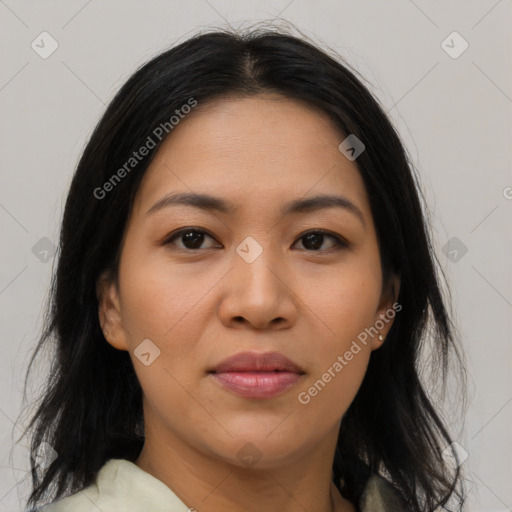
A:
{"x": 91, "y": 408}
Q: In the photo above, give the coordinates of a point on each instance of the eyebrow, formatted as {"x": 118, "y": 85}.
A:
{"x": 211, "y": 203}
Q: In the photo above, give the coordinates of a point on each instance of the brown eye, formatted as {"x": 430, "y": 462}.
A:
{"x": 314, "y": 240}
{"x": 191, "y": 238}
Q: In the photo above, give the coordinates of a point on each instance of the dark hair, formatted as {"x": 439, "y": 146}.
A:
{"x": 91, "y": 409}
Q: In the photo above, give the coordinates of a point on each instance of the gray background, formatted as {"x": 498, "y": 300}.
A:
{"x": 453, "y": 114}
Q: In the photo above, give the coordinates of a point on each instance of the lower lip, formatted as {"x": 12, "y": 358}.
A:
{"x": 257, "y": 384}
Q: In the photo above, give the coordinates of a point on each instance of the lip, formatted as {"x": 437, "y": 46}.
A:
{"x": 257, "y": 362}
{"x": 257, "y": 375}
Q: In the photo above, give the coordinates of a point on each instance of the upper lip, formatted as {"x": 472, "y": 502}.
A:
{"x": 257, "y": 362}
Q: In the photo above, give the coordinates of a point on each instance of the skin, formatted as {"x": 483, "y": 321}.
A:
{"x": 199, "y": 306}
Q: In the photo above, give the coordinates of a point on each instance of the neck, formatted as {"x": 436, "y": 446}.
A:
{"x": 210, "y": 484}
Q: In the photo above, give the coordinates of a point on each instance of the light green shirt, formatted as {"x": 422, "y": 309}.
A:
{"x": 121, "y": 486}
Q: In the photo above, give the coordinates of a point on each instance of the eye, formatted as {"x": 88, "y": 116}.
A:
{"x": 313, "y": 240}
{"x": 192, "y": 238}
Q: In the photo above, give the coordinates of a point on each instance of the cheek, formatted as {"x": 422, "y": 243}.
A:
{"x": 341, "y": 358}
{"x": 345, "y": 304}
{"x": 328, "y": 393}
{"x": 161, "y": 298}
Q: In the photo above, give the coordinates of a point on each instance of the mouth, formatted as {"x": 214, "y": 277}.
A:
{"x": 257, "y": 375}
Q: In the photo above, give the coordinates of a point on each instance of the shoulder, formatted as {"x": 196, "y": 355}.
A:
{"x": 380, "y": 496}
{"x": 120, "y": 486}
{"x": 82, "y": 501}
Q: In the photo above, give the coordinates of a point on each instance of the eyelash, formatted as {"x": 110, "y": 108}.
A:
{"x": 339, "y": 241}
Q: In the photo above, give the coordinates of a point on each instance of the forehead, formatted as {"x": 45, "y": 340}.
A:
{"x": 253, "y": 147}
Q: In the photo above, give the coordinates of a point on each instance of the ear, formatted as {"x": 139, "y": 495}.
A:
{"x": 109, "y": 311}
{"x": 386, "y": 312}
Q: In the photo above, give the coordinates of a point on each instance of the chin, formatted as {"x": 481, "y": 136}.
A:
{"x": 257, "y": 450}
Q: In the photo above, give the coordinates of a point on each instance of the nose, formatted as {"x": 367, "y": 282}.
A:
{"x": 258, "y": 295}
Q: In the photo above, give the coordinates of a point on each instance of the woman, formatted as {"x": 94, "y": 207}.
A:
{"x": 244, "y": 288}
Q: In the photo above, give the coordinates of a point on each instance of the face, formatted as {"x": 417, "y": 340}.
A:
{"x": 259, "y": 269}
